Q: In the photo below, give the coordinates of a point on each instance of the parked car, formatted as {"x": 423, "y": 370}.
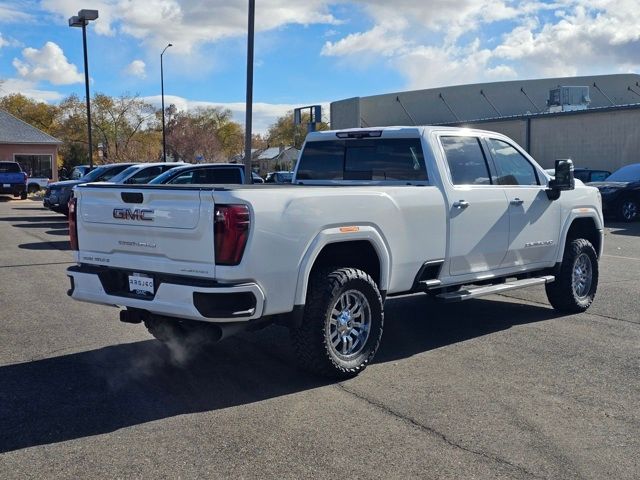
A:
{"x": 57, "y": 194}
{"x": 78, "y": 172}
{"x": 36, "y": 184}
{"x": 374, "y": 213}
{"x": 256, "y": 178}
{"x": 621, "y": 193}
{"x": 204, "y": 173}
{"x": 585, "y": 175}
{"x": 143, "y": 172}
{"x": 279, "y": 177}
{"x": 13, "y": 181}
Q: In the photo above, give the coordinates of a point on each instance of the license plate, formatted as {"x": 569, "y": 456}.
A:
{"x": 6, "y": 185}
{"x": 141, "y": 284}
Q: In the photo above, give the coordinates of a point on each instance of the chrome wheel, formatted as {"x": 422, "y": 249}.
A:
{"x": 348, "y": 324}
{"x": 582, "y": 276}
{"x": 629, "y": 209}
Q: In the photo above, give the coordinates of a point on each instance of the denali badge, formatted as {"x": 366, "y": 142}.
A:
{"x": 136, "y": 214}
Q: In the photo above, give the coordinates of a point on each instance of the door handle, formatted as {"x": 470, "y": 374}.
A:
{"x": 461, "y": 204}
{"x": 517, "y": 201}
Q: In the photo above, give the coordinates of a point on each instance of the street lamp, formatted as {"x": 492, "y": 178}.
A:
{"x": 164, "y": 140}
{"x": 82, "y": 20}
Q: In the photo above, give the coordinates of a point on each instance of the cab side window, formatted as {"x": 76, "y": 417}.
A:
{"x": 466, "y": 160}
{"x": 145, "y": 175}
{"x": 512, "y": 167}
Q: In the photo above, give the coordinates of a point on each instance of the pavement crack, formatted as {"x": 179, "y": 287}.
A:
{"x": 432, "y": 431}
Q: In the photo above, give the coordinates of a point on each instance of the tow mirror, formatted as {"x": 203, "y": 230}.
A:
{"x": 563, "y": 179}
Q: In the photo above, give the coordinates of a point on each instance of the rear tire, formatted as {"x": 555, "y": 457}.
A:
{"x": 628, "y": 210}
{"x": 575, "y": 286}
{"x": 342, "y": 325}
{"x": 23, "y": 195}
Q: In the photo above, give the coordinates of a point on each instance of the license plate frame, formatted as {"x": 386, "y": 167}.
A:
{"x": 141, "y": 284}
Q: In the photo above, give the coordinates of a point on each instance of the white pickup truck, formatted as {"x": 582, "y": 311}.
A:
{"x": 371, "y": 213}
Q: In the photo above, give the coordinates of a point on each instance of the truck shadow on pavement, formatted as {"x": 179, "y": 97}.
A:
{"x": 49, "y": 224}
{"x": 622, "y": 228}
{"x": 98, "y": 391}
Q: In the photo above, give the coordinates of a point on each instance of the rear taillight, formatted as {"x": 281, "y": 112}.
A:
{"x": 73, "y": 223}
{"x": 231, "y": 230}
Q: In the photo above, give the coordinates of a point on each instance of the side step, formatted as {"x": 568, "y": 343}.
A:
{"x": 467, "y": 294}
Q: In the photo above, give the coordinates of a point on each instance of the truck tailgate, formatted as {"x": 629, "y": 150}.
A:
{"x": 158, "y": 230}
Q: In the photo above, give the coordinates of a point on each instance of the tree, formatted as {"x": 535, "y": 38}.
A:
{"x": 39, "y": 114}
{"x": 122, "y": 125}
{"x": 203, "y": 134}
{"x": 284, "y": 133}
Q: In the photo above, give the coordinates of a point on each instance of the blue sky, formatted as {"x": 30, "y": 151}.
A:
{"x": 308, "y": 52}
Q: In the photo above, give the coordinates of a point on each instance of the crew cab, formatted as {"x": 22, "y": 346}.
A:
{"x": 371, "y": 213}
{"x": 13, "y": 180}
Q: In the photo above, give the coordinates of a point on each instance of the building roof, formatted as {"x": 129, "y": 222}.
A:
{"x": 461, "y": 103}
{"x": 14, "y": 130}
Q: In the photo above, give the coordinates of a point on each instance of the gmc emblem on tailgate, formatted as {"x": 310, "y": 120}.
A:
{"x": 136, "y": 214}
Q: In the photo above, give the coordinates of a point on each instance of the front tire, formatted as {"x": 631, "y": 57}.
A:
{"x": 23, "y": 195}
{"x": 575, "y": 286}
{"x": 342, "y": 325}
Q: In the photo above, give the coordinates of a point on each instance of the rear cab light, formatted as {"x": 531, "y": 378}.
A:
{"x": 73, "y": 223}
{"x": 231, "y": 231}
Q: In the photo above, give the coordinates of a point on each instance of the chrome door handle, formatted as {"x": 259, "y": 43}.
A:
{"x": 517, "y": 201}
{"x": 461, "y": 204}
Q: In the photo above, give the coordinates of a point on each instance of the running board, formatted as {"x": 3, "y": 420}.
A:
{"x": 467, "y": 294}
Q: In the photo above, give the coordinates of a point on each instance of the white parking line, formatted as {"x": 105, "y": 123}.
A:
{"x": 618, "y": 256}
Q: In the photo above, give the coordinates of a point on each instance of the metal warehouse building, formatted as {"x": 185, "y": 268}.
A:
{"x": 602, "y": 131}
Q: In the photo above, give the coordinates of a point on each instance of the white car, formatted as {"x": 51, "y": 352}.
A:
{"x": 372, "y": 213}
{"x": 144, "y": 172}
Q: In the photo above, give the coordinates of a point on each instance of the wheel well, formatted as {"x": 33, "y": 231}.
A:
{"x": 585, "y": 228}
{"x": 356, "y": 254}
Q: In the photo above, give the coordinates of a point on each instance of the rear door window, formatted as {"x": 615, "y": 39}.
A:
{"x": 466, "y": 160}
{"x": 9, "y": 167}
{"x": 145, "y": 175}
{"x": 398, "y": 159}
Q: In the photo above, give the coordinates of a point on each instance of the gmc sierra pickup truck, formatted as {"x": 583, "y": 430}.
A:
{"x": 371, "y": 213}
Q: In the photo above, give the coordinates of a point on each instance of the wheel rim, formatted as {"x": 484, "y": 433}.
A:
{"x": 348, "y": 324}
{"x": 629, "y": 210}
{"x": 582, "y": 276}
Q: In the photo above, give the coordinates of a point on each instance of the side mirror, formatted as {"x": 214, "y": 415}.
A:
{"x": 563, "y": 179}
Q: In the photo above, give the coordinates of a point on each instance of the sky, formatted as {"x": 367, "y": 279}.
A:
{"x": 307, "y": 52}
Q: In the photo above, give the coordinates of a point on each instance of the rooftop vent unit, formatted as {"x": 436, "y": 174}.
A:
{"x": 568, "y": 99}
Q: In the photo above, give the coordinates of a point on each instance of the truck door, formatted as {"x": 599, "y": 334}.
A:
{"x": 478, "y": 209}
{"x": 534, "y": 220}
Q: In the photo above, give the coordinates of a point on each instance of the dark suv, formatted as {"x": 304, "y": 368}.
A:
{"x": 57, "y": 195}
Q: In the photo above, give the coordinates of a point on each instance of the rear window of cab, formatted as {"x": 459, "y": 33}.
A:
{"x": 398, "y": 159}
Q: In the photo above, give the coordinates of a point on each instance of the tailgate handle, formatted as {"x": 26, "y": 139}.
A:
{"x": 132, "y": 197}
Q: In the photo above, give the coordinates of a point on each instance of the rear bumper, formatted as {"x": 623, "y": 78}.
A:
{"x": 182, "y": 297}
{"x": 13, "y": 189}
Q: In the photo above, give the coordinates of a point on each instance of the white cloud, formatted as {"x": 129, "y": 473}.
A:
{"x": 581, "y": 37}
{"x": 264, "y": 114}
{"x": 137, "y": 68}
{"x": 28, "y": 89}
{"x": 10, "y": 12}
{"x": 3, "y": 42}
{"x": 49, "y": 64}
{"x": 189, "y": 23}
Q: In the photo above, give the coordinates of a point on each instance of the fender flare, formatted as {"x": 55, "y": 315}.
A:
{"x": 339, "y": 235}
{"x": 578, "y": 213}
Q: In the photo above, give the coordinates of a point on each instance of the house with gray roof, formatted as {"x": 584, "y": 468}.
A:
{"x": 35, "y": 150}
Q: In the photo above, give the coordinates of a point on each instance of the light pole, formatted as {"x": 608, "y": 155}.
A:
{"x": 82, "y": 20}
{"x": 164, "y": 140}
{"x": 249, "y": 101}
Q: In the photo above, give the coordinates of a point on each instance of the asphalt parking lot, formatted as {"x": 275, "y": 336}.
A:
{"x": 501, "y": 387}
